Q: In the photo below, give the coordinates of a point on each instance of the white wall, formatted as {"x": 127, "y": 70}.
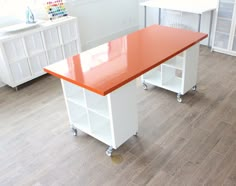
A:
{"x": 103, "y": 20}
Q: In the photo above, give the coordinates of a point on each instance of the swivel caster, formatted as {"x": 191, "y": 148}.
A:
{"x": 145, "y": 87}
{"x": 179, "y": 99}
{"x": 109, "y": 151}
{"x": 194, "y": 88}
{"x": 74, "y": 131}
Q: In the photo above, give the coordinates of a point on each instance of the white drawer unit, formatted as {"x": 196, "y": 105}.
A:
{"x": 24, "y": 54}
{"x": 225, "y": 28}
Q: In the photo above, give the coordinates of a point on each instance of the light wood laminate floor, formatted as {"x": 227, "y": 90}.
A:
{"x": 189, "y": 143}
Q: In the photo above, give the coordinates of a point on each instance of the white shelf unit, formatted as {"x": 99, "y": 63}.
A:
{"x": 225, "y": 27}
{"x": 178, "y": 74}
{"x": 24, "y": 54}
{"x": 103, "y": 117}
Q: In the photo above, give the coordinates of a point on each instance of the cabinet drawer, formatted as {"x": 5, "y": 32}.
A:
{"x": 226, "y": 10}
{"x": 37, "y": 63}
{"x": 14, "y": 49}
{"x": 221, "y": 40}
{"x": 223, "y": 25}
{"x": 20, "y": 71}
{"x": 34, "y": 43}
{"x": 55, "y": 55}
{"x": 51, "y": 38}
{"x": 69, "y": 32}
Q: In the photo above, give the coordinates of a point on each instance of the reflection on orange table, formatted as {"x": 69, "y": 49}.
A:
{"x": 111, "y": 65}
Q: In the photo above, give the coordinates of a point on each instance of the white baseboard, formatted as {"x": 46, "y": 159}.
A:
{"x": 94, "y": 43}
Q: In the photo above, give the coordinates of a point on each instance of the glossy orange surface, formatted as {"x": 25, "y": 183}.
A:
{"x": 109, "y": 66}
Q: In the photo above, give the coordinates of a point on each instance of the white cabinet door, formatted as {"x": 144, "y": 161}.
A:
{"x": 69, "y": 31}
{"x": 20, "y": 71}
{"x": 14, "y": 49}
{"x": 224, "y": 24}
{"x": 34, "y": 43}
{"x": 37, "y": 63}
{"x": 51, "y": 38}
{"x": 70, "y": 49}
{"x": 55, "y": 55}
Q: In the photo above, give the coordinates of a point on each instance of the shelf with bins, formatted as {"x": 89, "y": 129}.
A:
{"x": 178, "y": 74}
{"x": 23, "y": 55}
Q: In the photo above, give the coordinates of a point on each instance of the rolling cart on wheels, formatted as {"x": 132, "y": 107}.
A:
{"x": 177, "y": 74}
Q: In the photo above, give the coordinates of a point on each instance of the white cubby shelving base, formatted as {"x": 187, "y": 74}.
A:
{"x": 178, "y": 74}
{"x": 24, "y": 54}
{"x": 112, "y": 119}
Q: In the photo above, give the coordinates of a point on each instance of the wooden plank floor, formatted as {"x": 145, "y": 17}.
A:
{"x": 189, "y": 143}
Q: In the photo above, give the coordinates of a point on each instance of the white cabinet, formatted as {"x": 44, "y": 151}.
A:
{"x": 24, "y": 54}
{"x": 103, "y": 117}
{"x": 224, "y": 35}
{"x": 178, "y": 74}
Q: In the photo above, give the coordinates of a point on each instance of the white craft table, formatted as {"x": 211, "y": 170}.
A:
{"x": 183, "y": 6}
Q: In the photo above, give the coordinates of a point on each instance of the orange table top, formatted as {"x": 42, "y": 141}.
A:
{"x": 109, "y": 66}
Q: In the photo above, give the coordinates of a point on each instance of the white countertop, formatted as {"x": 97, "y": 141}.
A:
{"x": 196, "y": 7}
{"x": 14, "y": 31}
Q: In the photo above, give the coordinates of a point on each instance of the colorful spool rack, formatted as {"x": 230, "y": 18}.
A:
{"x": 56, "y": 9}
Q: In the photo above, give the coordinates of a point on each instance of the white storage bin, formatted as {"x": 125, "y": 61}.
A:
{"x": 34, "y": 43}
{"x": 69, "y": 31}
{"x": 14, "y": 49}
{"x": 37, "y": 63}
{"x": 70, "y": 49}
{"x": 51, "y": 38}
{"x": 20, "y": 70}
{"x": 55, "y": 55}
